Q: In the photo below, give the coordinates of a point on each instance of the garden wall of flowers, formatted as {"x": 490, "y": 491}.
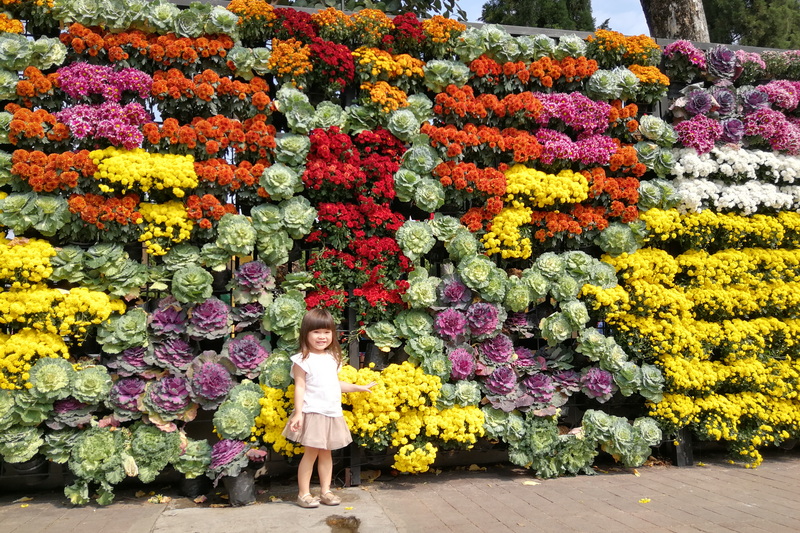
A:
{"x": 536, "y": 256}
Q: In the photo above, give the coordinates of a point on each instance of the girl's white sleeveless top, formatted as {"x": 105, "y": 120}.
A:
{"x": 323, "y": 391}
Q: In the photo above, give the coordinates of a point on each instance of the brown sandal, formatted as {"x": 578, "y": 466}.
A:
{"x": 329, "y": 498}
{"x": 307, "y": 501}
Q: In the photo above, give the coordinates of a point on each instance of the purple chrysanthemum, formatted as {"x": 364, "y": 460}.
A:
{"x": 482, "y": 318}
{"x": 498, "y": 349}
{"x": 450, "y": 324}
{"x": 463, "y": 363}
{"x": 502, "y": 380}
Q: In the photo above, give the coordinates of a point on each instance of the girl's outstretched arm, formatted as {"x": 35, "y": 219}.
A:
{"x": 352, "y": 387}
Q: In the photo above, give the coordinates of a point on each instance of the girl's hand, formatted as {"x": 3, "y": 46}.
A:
{"x": 368, "y": 386}
{"x": 296, "y": 421}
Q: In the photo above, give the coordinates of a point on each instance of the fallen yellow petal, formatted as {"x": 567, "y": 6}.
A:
{"x": 531, "y": 483}
{"x": 644, "y": 500}
{"x": 636, "y": 473}
{"x": 700, "y": 463}
{"x": 24, "y": 505}
{"x": 348, "y": 508}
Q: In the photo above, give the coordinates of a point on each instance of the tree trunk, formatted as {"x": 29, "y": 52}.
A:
{"x": 676, "y": 19}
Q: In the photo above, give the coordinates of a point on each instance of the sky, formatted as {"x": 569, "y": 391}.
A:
{"x": 625, "y": 15}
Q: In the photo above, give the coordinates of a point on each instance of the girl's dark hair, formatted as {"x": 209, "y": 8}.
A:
{"x": 319, "y": 319}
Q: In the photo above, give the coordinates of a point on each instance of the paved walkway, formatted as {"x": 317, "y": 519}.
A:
{"x": 714, "y": 497}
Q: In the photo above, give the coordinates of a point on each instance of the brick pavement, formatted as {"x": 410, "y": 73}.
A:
{"x": 717, "y": 497}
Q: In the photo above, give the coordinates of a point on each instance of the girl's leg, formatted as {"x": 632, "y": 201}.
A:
{"x": 325, "y": 470}
{"x": 305, "y": 469}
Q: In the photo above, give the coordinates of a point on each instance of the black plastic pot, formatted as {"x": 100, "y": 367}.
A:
{"x": 241, "y": 489}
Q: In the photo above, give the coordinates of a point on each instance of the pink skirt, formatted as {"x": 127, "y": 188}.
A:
{"x": 320, "y": 431}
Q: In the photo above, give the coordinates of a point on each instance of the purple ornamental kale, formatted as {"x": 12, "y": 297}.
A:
{"x": 699, "y": 103}
{"x": 453, "y": 292}
{"x": 246, "y": 354}
{"x": 227, "y": 451}
{"x": 732, "y": 131}
{"x": 174, "y": 354}
{"x": 726, "y": 100}
{"x": 450, "y": 324}
{"x": 245, "y": 315}
{"x": 254, "y": 276}
{"x": 168, "y": 319}
{"x": 130, "y": 362}
{"x": 169, "y": 395}
{"x": 598, "y": 383}
{"x": 528, "y": 361}
{"x": 211, "y": 382}
{"x": 463, "y": 363}
{"x": 502, "y": 380}
{"x": 482, "y": 318}
{"x": 568, "y": 380}
{"x": 125, "y": 393}
{"x": 753, "y": 100}
{"x": 210, "y": 320}
{"x": 540, "y": 386}
{"x": 498, "y": 349}
{"x": 721, "y": 63}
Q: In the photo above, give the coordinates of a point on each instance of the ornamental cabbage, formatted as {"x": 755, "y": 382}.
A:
{"x": 292, "y": 149}
{"x": 277, "y": 371}
{"x": 328, "y": 115}
{"x": 284, "y": 314}
{"x": 485, "y": 320}
{"x": 232, "y": 421}
{"x": 579, "y": 265}
{"x": 20, "y": 443}
{"x": 7, "y": 414}
{"x": 453, "y": 293}
{"x": 569, "y": 46}
{"x": 593, "y": 344}
{"x": 210, "y": 380}
{"x": 161, "y": 16}
{"x": 648, "y": 430}
{"x": 247, "y": 395}
{"x": 412, "y": 322}
{"x": 246, "y": 353}
{"x": 122, "y": 332}
{"x": 464, "y": 244}
{"x": 628, "y": 378}
{"x": 280, "y": 182}
{"x": 58, "y": 444}
{"x": 273, "y": 247}
{"x": 451, "y": 325}
{"x": 597, "y": 383}
{"x": 420, "y": 158}
{"x": 124, "y": 398}
{"x": 228, "y": 458}
{"x": 173, "y": 354}
{"x": 556, "y": 328}
{"x": 576, "y": 313}
{"x": 420, "y": 349}
{"x": 440, "y": 73}
{"x": 403, "y": 124}
{"x": 467, "y": 393}
{"x": 220, "y": 21}
{"x": 421, "y": 292}
{"x": 210, "y": 319}
{"x": 603, "y": 85}
{"x": 51, "y": 378}
{"x": 495, "y": 289}
{"x": 462, "y": 362}
{"x": 415, "y": 239}
{"x": 18, "y": 212}
{"x": 168, "y": 398}
{"x": 405, "y": 182}
{"x": 243, "y": 61}
{"x": 360, "y": 118}
{"x": 550, "y": 265}
{"x": 91, "y": 384}
{"x": 476, "y": 271}
{"x": 604, "y": 276}
{"x": 444, "y": 227}
{"x": 195, "y": 459}
{"x": 652, "y": 383}
{"x": 496, "y": 350}
{"x": 100, "y": 455}
{"x": 188, "y": 23}
{"x": 236, "y": 235}
{"x": 421, "y": 106}
{"x": 437, "y": 365}
{"x": 192, "y": 284}
{"x": 538, "y": 284}
{"x": 297, "y": 216}
{"x": 518, "y": 294}
{"x": 429, "y": 195}
{"x": 501, "y": 381}
{"x": 153, "y": 450}
{"x": 618, "y": 238}
{"x": 384, "y": 334}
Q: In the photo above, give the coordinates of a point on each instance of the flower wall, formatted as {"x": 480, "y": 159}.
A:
{"x": 541, "y": 260}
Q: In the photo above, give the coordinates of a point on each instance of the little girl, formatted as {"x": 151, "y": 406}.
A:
{"x": 317, "y": 421}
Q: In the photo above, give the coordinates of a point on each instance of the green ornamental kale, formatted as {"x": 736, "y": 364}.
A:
{"x": 58, "y": 444}
{"x": 284, "y": 314}
{"x": 415, "y": 239}
{"x": 297, "y": 215}
{"x": 277, "y": 371}
{"x": 91, "y": 385}
{"x": 102, "y": 456}
{"x": 281, "y": 182}
{"x": 123, "y": 332}
{"x": 413, "y": 322}
{"x": 232, "y": 421}
{"x": 195, "y": 459}
{"x": 292, "y": 149}
{"x": 384, "y": 334}
{"x": 236, "y": 235}
{"x": 20, "y": 443}
{"x": 153, "y": 450}
{"x": 51, "y": 378}
{"x": 192, "y": 284}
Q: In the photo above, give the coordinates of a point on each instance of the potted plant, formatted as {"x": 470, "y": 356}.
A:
{"x": 229, "y": 462}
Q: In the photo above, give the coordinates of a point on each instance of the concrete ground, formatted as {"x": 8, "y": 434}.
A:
{"x": 712, "y": 496}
